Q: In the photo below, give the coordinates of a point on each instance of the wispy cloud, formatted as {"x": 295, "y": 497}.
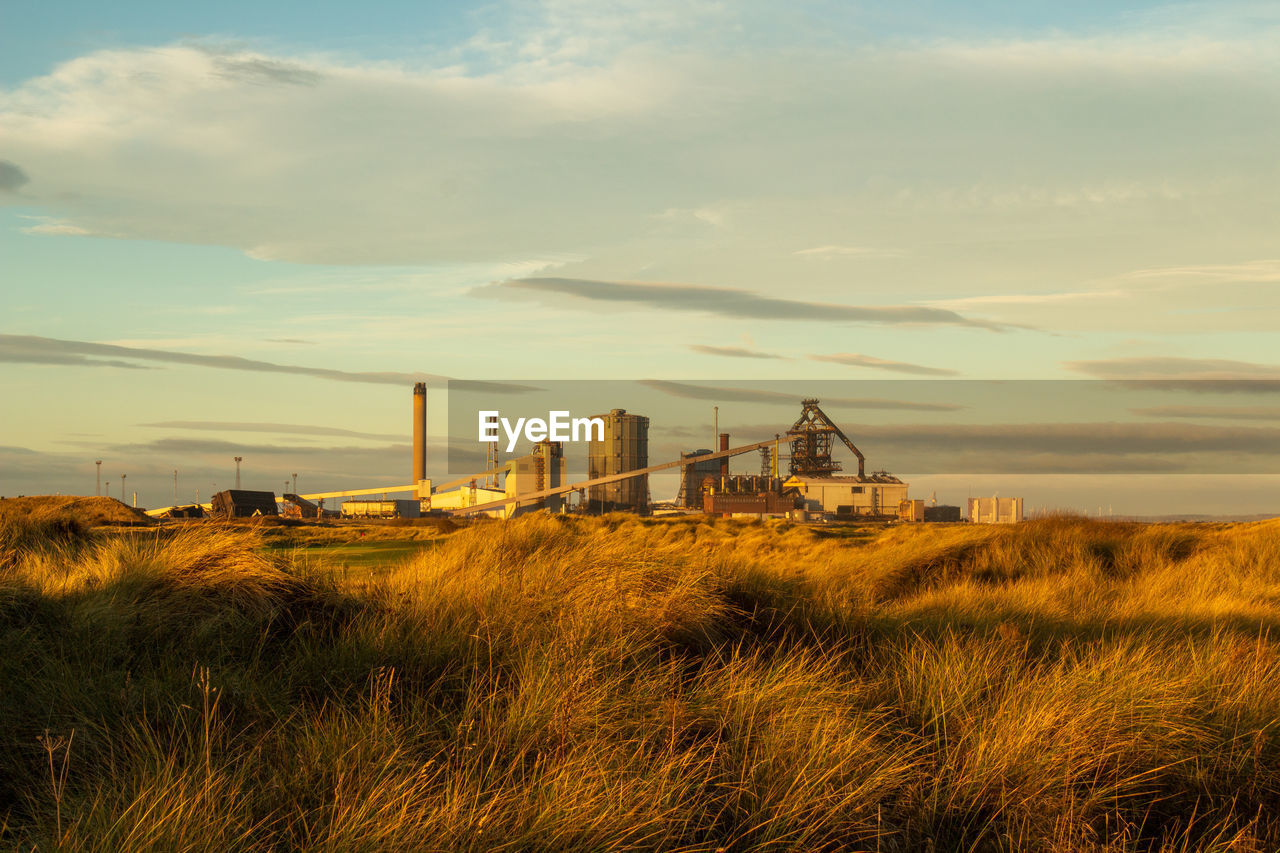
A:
{"x": 854, "y": 359}
{"x": 51, "y": 227}
{"x": 1111, "y": 438}
{"x": 725, "y": 394}
{"x": 732, "y": 352}
{"x": 1261, "y": 270}
{"x": 1226, "y": 413}
{"x": 1173, "y": 373}
{"x": 1173, "y": 367}
{"x": 731, "y": 302}
{"x": 849, "y": 252}
{"x": 285, "y": 429}
{"x": 31, "y": 349}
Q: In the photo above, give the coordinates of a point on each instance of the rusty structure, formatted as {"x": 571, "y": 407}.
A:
{"x": 243, "y": 503}
{"x": 693, "y": 476}
{"x": 294, "y": 506}
{"x": 185, "y": 511}
{"x": 747, "y": 493}
{"x": 811, "y": 438}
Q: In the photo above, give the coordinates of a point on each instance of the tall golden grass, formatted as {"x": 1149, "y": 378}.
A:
{"x": 619, "y": 684}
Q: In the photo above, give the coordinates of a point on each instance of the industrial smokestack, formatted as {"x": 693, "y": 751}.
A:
{"x": 419, "y": 432}
{"x": 724, "y": 460}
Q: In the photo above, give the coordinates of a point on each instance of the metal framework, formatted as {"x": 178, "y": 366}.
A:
{"x": 533, "y": 497}
{"x": 811, "y": 439}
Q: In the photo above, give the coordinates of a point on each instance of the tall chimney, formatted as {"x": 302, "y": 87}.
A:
{"x": 724, "y": 460}
{"x": 419, "y": 432}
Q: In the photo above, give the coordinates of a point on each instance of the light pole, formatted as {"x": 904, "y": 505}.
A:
{"x": 238, "y": 458}
{"x": 175, "y": 486}
{"x": 99, "y": 464}
{"x": 122, "y": 479}
{"x": 295, "y": 484}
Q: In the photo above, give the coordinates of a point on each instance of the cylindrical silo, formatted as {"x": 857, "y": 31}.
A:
{"x": 624, "y": 447}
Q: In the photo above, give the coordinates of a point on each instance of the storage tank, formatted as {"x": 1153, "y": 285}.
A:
{"x": 624, "y": 447}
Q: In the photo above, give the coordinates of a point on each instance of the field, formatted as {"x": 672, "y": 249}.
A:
{"x": 619, "y": 684}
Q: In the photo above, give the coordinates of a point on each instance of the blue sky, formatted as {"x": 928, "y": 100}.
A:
{"x": 594, "y": 190}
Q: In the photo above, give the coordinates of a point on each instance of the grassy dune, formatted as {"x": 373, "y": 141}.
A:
{"x": 614, "y": 684}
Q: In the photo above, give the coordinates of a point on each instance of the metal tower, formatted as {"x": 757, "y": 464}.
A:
{"x": 811, "y": 438}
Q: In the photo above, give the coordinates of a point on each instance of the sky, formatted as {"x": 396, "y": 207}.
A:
{"x": 246, "y": 229}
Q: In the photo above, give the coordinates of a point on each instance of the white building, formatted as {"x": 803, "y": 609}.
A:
{"x": 525, "y": 475}
{"x": 995, "y": 510}
{"x": 877, "y": 495}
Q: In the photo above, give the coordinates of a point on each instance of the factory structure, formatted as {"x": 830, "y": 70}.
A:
{"x": 812, "y": 487}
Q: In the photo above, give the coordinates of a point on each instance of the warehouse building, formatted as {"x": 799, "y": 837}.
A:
{"x": 877, "y": 495}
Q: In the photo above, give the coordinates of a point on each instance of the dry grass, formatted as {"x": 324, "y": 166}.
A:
{"x": 616, "y": 684}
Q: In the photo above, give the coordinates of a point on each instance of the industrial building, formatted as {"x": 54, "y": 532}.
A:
{"x": 746, "y": 494}
{"x": 995, "y": 510}
{"x": 293, "y": 506}
{"x": 618, "y": 472}
{"x": 911, "y": 510}
{"x": 624, "y": 447}
{"x": 814, "y": 478}
{"x": 181, "y": 511}
{"x": 242, "y": 503}
{"x": 383, "y": 508}
{"x": 542, "y": 469}
{"x": 694, "y": 476}
{"x": 942, "y": 512}
{"x": 878, "y": 495}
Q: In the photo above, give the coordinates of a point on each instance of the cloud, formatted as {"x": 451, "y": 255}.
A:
{"x": 259, "y": 70}
{"x": 50, "y": 227}
{"x": 849, "y": 251}
{"x": 12, "y": 178}
{"x": 730, "y": 302}
{"x": 30, "y": 349}
{"x": 196, "y": 446}
{"x": 1162, "y": 300}
{"x": 1097, "y": 448}
{"x": 742, "y": 104}
{"x": 1076, "y": 438}
{"x": 1233, "y": 413}
{"x": 731, "y": 352}
{"x": 1174, "y": 373}
{"x": 287, "y": 429}
{"x": 854, "y": 359}
{"x": 1078, "y": 448}
{"x": 17, "y": 354}
{"x": 724, "y": 394}
{"x": 1174, "y": 367}
{"x": 1260, "y": 270}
